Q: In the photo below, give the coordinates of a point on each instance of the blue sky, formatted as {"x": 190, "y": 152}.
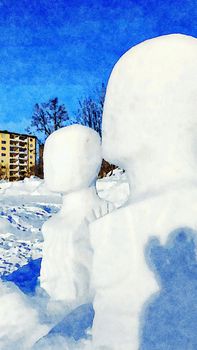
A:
{"x": 66, "y": 48}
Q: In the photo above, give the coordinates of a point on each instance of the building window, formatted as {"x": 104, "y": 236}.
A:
{"x": 2, "y": 161}
{"x": 3, "y": 148}
{"x": 30, "y": 162}
{"x": 31, "y": 139}
{"x": 30, "y": 157}
{"x": 31, "y": 145}
{"x": 3, "y": 142}
{"x": 3, "y": 154}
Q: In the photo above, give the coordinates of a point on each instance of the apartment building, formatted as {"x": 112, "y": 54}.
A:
{"x": 17, "y": 155}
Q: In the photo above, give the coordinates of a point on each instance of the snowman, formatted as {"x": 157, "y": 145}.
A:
{"x": 150, "y": 130}
{"x": 72, "y": 159}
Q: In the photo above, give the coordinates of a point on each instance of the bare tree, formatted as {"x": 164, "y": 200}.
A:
{"x": 48, "y": 117}
{"x": 90, "y": 114}
{"x": 91, "y": 109}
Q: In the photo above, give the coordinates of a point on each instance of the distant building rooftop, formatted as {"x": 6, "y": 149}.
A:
{"x": 16, "y": 133}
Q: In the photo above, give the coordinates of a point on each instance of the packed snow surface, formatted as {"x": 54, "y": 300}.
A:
{"x": 24, "y": 207}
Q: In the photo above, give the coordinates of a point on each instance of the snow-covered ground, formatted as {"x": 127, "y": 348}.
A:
{"x": 26, "y": 205}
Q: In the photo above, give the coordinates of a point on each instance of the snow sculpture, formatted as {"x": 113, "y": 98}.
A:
{"x": 72, "y": 159}
{"x": 150, "y": 130}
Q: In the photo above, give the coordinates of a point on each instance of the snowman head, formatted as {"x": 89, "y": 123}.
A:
{"x": 72, "y": 158}
{"x": 150, "y": 111}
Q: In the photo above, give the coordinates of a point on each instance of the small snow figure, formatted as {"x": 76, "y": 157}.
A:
{"x": 72, "y": 159}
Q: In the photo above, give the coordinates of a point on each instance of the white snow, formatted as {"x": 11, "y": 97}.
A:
{"x": 149, "y": 129}
{"x": 20, "y": 229}
{"x": 114, "y": 188}
{"x": 29, "y": 186}
{"x": 5, "y": 227}
{"x": 19, "y": 321}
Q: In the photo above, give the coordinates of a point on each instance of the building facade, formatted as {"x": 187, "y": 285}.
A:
{"x": 17, "y": 155}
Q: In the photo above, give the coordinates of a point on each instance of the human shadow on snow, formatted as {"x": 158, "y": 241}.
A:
{"x": 170, "y": 316}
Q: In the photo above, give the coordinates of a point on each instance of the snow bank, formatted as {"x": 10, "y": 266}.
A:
{"x": 19, "y": 323}
{"x": 29, "y": 186}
